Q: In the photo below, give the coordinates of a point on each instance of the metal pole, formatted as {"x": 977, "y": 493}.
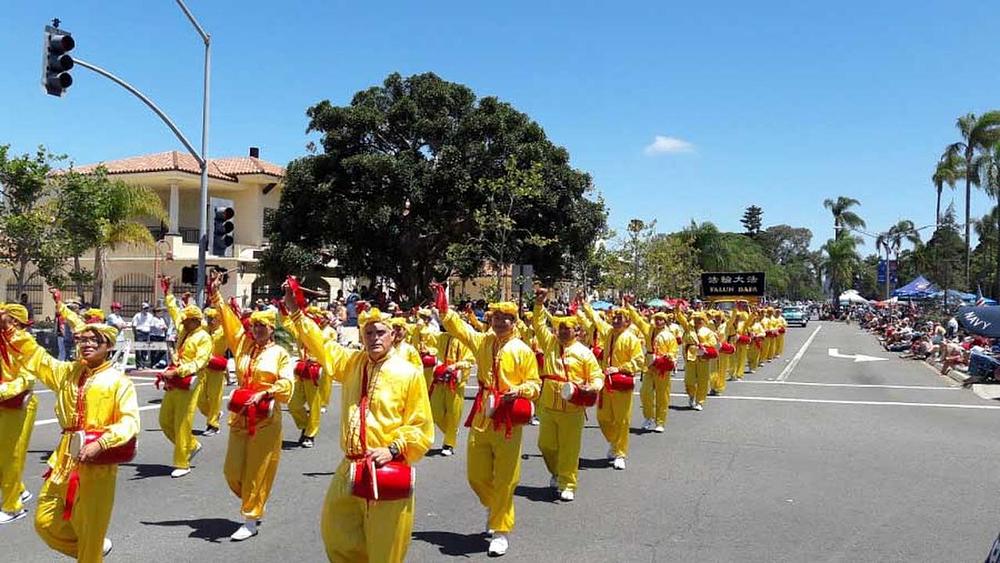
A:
{"x": 145, "y": 100}
{"x": 203, "y": 207}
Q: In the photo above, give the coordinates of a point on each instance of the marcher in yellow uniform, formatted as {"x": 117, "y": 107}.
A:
{"x": 699, "y": 344}
{"x": 622, "y": 354}
{"x": 213, "y": 380}
{"x": 193, "y": 350}
{"x": 757, "y": 338}
{"x": 782, "y": 326}
{"x": 18, "y": 407}
{"x": 447, "y": 392}
{"x": 254, "y": 447}
{"x": 325, "y": 379}
{"x": 402, "y": 346}
{"x": 771, "y": 333}
{"x": 397, "y": 427}
{"x": 741, "y": 322}
{"x": 719, "y": 366}
{"x": 307, "y": 398}
{"x": 507, "y": 367}
{"x": 560, "y": 429}
{"x": 77, "y": 498}
{"x": 659, "y": 343}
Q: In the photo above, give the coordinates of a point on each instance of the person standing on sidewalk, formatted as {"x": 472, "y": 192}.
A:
{"x": 141, "y": 326}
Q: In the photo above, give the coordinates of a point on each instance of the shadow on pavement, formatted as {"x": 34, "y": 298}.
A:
{"x": 208, "y": 529}
{"x": 154, "y": 401}
{"x": 452, "y": 544}
{"x": 599, "y": 463}
{"x": 319, "y": 474}
{"x": 44, "y": 454}
{"x": 638, "y": 431}
{"x": 289, "y": 445}
{"x": 679, "y": 408}
{"x": 147, "y": 470}
{"x": 535, "y": 494}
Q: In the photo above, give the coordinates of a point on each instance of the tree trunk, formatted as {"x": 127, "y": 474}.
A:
{"x": 99, "y": 263}
{"x": 76, "y": 274}
{"x": 996, "y": 294}
{"x": 937, "y": 212}
{"x": 968, "y": 202}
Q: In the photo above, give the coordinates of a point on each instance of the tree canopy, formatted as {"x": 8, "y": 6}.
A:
{"x": 419, "y": 179}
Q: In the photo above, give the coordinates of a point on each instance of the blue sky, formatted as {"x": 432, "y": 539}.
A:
{"x": 779, "y": 104}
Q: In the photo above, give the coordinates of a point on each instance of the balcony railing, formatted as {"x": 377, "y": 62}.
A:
{"x": 189, "y": 235}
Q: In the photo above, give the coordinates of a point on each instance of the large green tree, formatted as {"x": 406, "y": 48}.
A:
{"x": 841, "y": 262}
{"x": 30, "y": 238}
{"x": 843, "y": 218}
{"x": 978, "y": 133}
{"x": 408, "y": 181}
{"x": 752, "y": 219}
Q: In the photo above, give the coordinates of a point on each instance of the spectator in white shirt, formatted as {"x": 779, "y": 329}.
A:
{"x": 141, "y": 327}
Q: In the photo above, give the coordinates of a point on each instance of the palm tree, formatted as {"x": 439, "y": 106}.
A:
{"x": 948, "y": 171}
{"x": 892, "y": 241}
{"x": 843, "y": 218}
{"x": 123, "y": 205}
{"x": 988, "y": 170}
{"x": 840, "y": 262}
{"x": 977, "y": 134}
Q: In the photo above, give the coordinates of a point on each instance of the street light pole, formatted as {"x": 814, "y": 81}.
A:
{"x": 203, "y": 196}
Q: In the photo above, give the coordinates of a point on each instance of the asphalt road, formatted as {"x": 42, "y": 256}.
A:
{"x": 831, "y": 460}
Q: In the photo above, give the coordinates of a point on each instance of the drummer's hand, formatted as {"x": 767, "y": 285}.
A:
{"x": 56, "y": 294}
{"x": 511, "y": 395}
{"x": 88, "y": 452}
{"x": 256, "y": 398}
{"x": 289, "y": 299}
{"x": 610, "y": 370}
{"x": 380, "y": 456}
{"x": 170, "y": 372}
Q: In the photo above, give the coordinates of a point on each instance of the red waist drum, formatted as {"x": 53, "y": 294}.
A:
{"x": 518, "y": 411}
{"x": 18, "y": 401}
{"x": 620, "y": 382}
{"x": 428, "y": 360}
{"x": 393, "y": 481}
{"x": 727, "y": 348}
{"x": 111, "y": 456}
{"x": 218, "y": 363}
{"x": 238, "y": 404}
{"x": 574, "y": 394}
{"x": 308, "y": 370}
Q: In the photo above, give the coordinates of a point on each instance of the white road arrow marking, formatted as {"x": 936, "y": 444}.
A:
{"x": 835, "y": 353}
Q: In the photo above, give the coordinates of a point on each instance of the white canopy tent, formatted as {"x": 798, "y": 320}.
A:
{"x": 851, "y": 296}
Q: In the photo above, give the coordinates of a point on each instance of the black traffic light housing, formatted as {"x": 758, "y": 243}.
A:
{"x": 56, "y": 61}
{"x": 222, "y": 231}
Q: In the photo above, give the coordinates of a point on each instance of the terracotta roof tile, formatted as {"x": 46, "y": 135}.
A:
{"x": 219, "y": 168}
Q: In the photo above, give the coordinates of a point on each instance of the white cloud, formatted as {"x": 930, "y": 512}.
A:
{"x": 666, "y": 145}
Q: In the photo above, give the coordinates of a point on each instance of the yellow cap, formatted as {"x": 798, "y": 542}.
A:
{"x": 267, "y": 317}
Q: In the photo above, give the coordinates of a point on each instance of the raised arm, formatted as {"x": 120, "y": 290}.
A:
{"x": 232, "y": 326}
{"x": 539, "y": 320}
{"x": 23, "y": 348}
{"x": 172, "y": 309}
{"x": 637, "y": 318}
{"x": 603, "y": 328}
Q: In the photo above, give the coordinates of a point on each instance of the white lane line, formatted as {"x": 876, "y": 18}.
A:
{"x": 55, "y": 420}
{"x": 836, "y": 402}
{"x": 798, "y": 356}
{"x": 43, "y": 391}
{"x": 852, "y": 385}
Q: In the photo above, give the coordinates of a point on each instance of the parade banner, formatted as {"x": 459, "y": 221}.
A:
{"x": 732, "y": 284}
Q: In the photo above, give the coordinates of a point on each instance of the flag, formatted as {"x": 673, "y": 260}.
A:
{"x": 980, "y": 300}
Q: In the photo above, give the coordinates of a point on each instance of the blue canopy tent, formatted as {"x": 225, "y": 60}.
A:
{"x": 919, "y": 288}
{"x": 601, "y": 305}
{"x": 656, "y": 303}
{"x": 955, "y": 295}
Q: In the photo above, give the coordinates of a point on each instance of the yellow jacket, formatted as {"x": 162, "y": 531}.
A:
{"x": 73, "y": 320}
{"x": 622, "y": 350}
{"x": 451, "y": 351}
{"x": 574, "y": 363}
{"x": 400, "y": 412}
{"x": 504, "y": 365}
{"x": 110, "y": 403}
{"x": 260, "y": 368}
{"x": 409, "y": 353}
{"x": 700, "y": 337}
{"x": 14, "y": 378}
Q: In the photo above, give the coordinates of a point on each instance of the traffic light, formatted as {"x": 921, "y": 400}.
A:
{"x": 222, "y": 232}
{"x": 56, "y": 61}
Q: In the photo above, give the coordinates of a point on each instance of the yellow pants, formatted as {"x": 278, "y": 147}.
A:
{"x": 718, "y": 373}
{"x": 756, "y": 355}
{"x": 559, "y": 437}
{"x": 325, "y": 388}
{"x": 446, "y": 407}
{"x": 304, "y": 406}
{"x": 781, "y": 345}
{"x": 769, "y": 344}
{"x": 210, "y": 398}
{"x": 354, "y": 529}
{"x": 655, "y": 396}
{"x": 251, "y": 464}
{"x": 614, "y": 415}
{"x": 176, "y": 421}
{"x": 82, "y": 536}
{"x": 740, "y": 365}
{"x": 494, "y": 469}
{"x": 696, "y": 379}
{"x": 15, "y": 433}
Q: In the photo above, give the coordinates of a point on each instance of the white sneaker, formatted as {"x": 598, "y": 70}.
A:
{"x": 8, "y": 517}
{"x": 567, "y": 495}
{"x": 447, "y": 451}
{"x": 498, "y": 546}
{"x": 535, "y": 421}
{"x": 659, "y": 429}
{"x": 107, "y": 547}
{"x": 194, "y": 453}
{"x": 26, "y": 496}
{"x": 648, "y": 424}
{"x": 698, "y": 406}
{"x": 619, "y": 463}
{"x": 178, "y": 473}
{"x": 554, "y": 482}
{"x": 322, "y": 410}
{"x": 246, "y": 531}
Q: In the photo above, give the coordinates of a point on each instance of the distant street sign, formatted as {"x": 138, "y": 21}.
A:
{"x": 732, "y": 284}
